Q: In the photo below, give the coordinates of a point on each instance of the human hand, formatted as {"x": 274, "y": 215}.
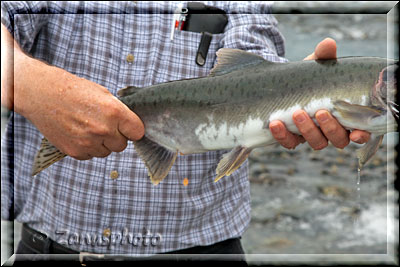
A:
{"x": 330, "y": 129}
{"x": 79, "y": 117}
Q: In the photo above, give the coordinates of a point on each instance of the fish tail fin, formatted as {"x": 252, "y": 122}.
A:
{"x": 47, "y": 155}
{"x": 157, "y": 159}
{"x": 367, "y": 151}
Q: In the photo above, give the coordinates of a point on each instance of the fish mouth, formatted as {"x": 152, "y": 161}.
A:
{"x": 394, "y": 109}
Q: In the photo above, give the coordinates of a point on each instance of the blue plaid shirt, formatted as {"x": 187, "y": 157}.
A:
{"x": 77, "y": 203}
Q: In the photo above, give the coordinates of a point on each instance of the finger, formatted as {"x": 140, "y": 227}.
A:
{"x": 130, "y": 125}
{"x": 332, "y": 130}
{"x": 326, "y": 49}
{"x": 78, "y": 154}
{"x": 99, "y": 151}
{"x": 84, "y": 156}
{"x": 283, "y": 136}
{"x": 116, "y": 143}
{"x": 75, "y": 150}
{"x": 359, "y": 136}
{"x": 309, "y": 130}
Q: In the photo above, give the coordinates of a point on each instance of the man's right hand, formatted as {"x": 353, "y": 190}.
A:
{"x": 81, "y": 118}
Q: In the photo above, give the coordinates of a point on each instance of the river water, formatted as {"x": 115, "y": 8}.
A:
{"x": 306, "y": 205}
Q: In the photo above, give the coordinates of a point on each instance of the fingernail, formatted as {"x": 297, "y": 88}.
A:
{"x": 323, "y": 116}
{"x": 275, "y": 128}
{"x": 359, "y": 140}
{"x": 300, "y": 117}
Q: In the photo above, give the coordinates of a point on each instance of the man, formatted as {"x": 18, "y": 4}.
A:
{"x": 107, "y": 205}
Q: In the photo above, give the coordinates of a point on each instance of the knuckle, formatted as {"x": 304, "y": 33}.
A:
{"x": 101, "y": 130}
{"x": 84, "y": 143}
{"x": 332, "y": 130}
{"x": 76, "y": 131}
{"x": 113, "y": 110}
{"x": 307, "y": 130}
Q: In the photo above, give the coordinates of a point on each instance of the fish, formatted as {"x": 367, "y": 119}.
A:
{"x": 230, "y": 109}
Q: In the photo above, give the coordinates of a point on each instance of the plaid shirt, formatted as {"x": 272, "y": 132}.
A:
{"x": 77, "y": 203}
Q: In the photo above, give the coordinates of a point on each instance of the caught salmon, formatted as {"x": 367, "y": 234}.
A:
{"x": 232, "y": 107}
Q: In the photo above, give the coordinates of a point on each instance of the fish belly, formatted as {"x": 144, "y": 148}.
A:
{"x": 224, "y": 135}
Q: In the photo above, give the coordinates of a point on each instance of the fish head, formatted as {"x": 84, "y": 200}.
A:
{"x": 386, "y": 89}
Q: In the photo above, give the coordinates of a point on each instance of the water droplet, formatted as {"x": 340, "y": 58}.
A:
{"x": 358, "y": 186}
{"x": 358, "y": 200}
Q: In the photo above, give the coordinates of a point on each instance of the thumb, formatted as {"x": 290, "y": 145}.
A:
{"x": 326, "y": 49}
{"x": 130, "y": 125}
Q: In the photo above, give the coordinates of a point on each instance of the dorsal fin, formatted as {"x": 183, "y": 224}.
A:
{"x": 229, "y": 59}
{"x": 128, "y": 91}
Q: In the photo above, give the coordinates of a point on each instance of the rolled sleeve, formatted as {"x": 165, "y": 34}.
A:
{"x": 255, "y": 32}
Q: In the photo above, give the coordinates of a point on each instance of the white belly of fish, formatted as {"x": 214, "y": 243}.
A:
{"x": 285, "y": 115}
{"x": 254, "y": 132}
{"x": 250, "y": 133}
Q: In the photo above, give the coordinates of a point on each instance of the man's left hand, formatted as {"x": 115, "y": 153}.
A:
{"x": 329, "y": 128}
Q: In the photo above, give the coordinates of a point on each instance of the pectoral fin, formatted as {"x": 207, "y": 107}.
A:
{"x": 354, "y": 114}
{"x": 367, "y": 151}
{"x": 47, "y": 155}
{"x": 157, "y": 159}
{"x": 231, "y": 161}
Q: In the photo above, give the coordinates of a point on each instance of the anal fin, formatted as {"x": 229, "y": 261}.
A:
{"x": 47, "y": 155}
{"x": 231, "y": 161}
{"x": 157, "y": 158}
{"x": 367, "y": 151}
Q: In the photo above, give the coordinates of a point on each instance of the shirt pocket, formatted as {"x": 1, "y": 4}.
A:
{"x": 176, "y": 59}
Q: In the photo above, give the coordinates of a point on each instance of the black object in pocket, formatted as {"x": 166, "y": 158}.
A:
{"x": 205, "y": 19}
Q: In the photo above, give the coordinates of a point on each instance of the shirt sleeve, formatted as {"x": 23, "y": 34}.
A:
{"x": 25, "y": 19}
{"x": 23, "y": 22}
{"x": 252, "y": 28}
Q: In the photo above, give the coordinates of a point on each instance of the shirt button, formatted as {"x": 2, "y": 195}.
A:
{"x": 114, "y": 175}
{"x": 107, "y": 232}
{"x": 130, "y": 58}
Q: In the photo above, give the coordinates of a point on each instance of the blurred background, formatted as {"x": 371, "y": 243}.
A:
{"x": 306, "y": 206}
{"x": 304, "y": 201}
